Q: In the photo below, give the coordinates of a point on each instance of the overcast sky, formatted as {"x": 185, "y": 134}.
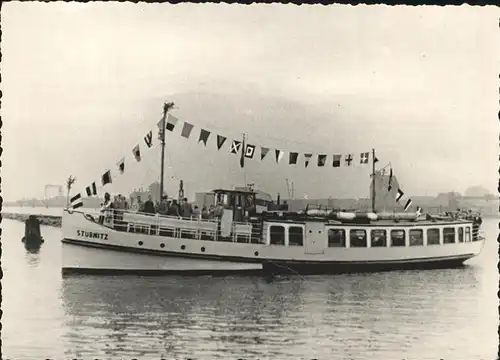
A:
{"x": 82, "y": 83}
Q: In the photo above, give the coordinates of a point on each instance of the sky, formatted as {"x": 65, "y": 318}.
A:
{"x": 83, "y": 82}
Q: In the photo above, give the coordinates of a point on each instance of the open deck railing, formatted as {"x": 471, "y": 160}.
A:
{"x": 194, "y": 227}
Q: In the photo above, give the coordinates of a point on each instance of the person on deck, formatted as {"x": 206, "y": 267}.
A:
{"x": 162, "y": 208}
{"x": 204, "y": 212}
{"x": 149, "y": 206}
{"x": 196, "y": 212}
{"x": 186, "y": 209}
{"x": 138, "y": 205}
{"x": 106, "y": 206}
{"x": 173, "y": 209}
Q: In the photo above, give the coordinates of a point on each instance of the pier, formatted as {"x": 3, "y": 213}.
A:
{"x": 48, "y": 220}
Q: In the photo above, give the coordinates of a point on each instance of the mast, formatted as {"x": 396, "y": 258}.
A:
{"x": 373, "y": 180}
{"x": 161, "y": 134}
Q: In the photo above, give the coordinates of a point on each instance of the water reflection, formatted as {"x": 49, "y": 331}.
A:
{"x": 240, "y": 317}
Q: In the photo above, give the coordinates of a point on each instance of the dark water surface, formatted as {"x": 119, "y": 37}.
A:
{"x": 447, "y": 314}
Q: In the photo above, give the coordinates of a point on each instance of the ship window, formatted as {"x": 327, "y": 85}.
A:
{"x": 467, "y": 234}
{"x": 416, "y": 237}
{"x": 449, "y": 235}
{"x": 432, "y": 236}
{"x": 379, "y": 238}
{"x": 295, "y": 236}
{"x": 277, "y": 235}
{"x": 460, "y": 234}
{"x": 336, "y": 238}
{"x": 358, "y": 238}
{"x": 398, "y": 238}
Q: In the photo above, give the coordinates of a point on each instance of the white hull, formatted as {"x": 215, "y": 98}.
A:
{"x": 91, "y": 247}
{"x": 78, "y": 257}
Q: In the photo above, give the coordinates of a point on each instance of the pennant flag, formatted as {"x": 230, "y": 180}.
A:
{"x": 389, "y": 188}
{"x": 76, "y": 201}
{"x": 348, "y": 159}
{"x": 364, "y": 158}
{"x": 171, "y": 122}
{"x": 264, "y": 151}
{"x": 293, "y": 158}
{"x": 137, "y": 152}
{"x": 148, "y": 139}
{"x": 235, "y": 146}
{"x": 106, "y": 178}
{"x": 408, "y": 204}
{"x": 186, "y": 130}
{"x": 419, "y": 211}
{"x": 279, "y": 155}
{"x": 400, "y": 195}
{"x": 321, "y": 160}
{"x": 307, "y": 158}
{"x": 336, "y": 160}
{"x": 242, "y": 156}
{"x": 161, "y": 129}
{"x": 220, "y": 141}
{"x": 250, "y": 151}
{"x": 91, "y": 189}
{"x": 376, "y": 160}
{"x": 121, "y": 165}
{"x": 204, "y": 134}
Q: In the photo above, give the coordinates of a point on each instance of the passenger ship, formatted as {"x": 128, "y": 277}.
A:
{"x": 249, "y": 238}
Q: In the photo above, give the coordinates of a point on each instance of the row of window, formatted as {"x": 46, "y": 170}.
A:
{"x": 378, "y": 238}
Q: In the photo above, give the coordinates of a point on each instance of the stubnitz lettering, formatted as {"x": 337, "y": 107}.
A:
{"x": 92, "y": 235}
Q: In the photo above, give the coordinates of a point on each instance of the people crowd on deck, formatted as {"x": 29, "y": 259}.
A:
{"x": 182, "y": 208}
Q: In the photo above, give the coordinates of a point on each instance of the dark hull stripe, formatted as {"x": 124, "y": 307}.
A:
{"x": 166, "y": 253}
{"x": 276, "y": 268}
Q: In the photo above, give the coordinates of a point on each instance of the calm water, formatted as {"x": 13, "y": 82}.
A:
{"x": 448, "y": 314}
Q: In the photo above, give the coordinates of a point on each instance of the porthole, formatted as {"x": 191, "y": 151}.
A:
{"x": 140, "y": 243}
{"x": 183, "y": 247}
{"x": 256, "y": 253}
{"x": 162, "y": 245}
{"x": 202, "y": 249}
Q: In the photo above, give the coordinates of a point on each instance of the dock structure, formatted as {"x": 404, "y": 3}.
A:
{"x": 48, "y": 220}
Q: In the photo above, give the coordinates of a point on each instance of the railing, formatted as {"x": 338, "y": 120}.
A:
{"x": 193, "y": 227}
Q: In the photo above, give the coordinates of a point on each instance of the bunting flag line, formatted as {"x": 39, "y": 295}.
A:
{"x": 235, "y": 147}
{"x": 148, "y": 139}
{"x": 389, "y": 187}
{"x": 121, "y": 165}
{"x": 250, "y": 151}
{"x": 263, "y": 152}
{"x": 186, "y": 130}
{"x": 171, "y": 122}
{"x": 137, "y": 152}
{"x": 279, "y": 155}
{"x": 220, "y": 141}
{"x": 292, "y": 160}
{"x": 76, "y": 201}
{"x": 348, "y": 159}
{"x": 307, "y": 159}
{"x": 400, "y": 195}
{"x": 204, "y": 134}
{"x": 408, "y": 204}
{"x": 91, "y": 189}
{"x": 364, "y": 158}
{"x": 106, "y": 178}
{"x": 321, "y": 160}
{"x": 336, "y": 160}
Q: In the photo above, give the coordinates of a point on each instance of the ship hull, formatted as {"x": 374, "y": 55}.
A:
{"x": 90, "y": 248}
